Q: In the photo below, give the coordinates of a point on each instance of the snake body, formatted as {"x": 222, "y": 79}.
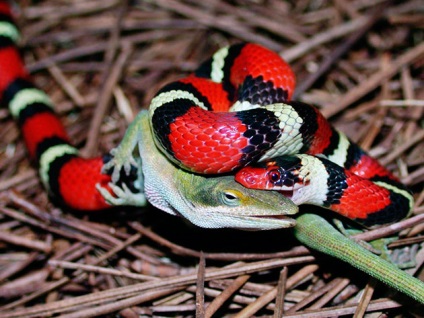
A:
{"x": 235, "y": 111}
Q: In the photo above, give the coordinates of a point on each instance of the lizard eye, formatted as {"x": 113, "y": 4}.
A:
{"x": 274, "y": 175}
{"x": 230, "y": 198}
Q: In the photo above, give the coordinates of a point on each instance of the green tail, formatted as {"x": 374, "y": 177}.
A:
{"x": 315, "y": 232}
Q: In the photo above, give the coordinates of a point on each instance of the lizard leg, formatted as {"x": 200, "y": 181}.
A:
{"x": 123, "y": 156}
{"x": 123, "y": 165}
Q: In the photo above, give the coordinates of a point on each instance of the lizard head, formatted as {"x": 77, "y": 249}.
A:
{"x": 220, "y": 202}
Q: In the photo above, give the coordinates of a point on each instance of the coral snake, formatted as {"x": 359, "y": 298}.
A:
{"x": 234, "y": 114}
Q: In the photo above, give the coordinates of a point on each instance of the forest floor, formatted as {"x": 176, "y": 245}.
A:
{"x": 101, "y": 61}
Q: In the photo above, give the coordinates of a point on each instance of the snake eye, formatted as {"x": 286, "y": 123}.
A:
{"x": 274, "y": 175}
{"x": 230, "y": 198}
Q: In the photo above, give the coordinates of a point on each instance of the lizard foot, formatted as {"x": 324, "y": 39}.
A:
{"x": 122, "y": 195}
{"x": 127, "y": 186}
{"x": 120, "y": 161}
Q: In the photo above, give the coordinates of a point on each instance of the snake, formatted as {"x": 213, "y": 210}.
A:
{"x": 234, "y": 114}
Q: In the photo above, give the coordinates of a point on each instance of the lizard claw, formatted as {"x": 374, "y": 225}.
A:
{"x": 118, "y": 162}
{"x": 127, "y": 186}
{"x": 122, "y": 195}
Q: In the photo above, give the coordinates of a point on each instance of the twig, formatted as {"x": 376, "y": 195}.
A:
{"x": 340, "y": 50}
{"x": 281, "y": 292}
{"x": 225, "y": 295}
{"x": 200, "y": 288}
{"x": 224, "y": 23}
{"x": 25, "y": 242}
{"x": 104, "y": 100}
{"x": 365, "y": 299}
{"x": 374, "y": 81}
{"x": 302, "y": 48}
{"x": 98, "y": 269}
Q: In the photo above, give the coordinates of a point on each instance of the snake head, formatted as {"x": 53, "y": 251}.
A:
{"x": 279, "y": 174}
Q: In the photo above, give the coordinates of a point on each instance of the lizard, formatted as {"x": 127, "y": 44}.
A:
{"x": 166, "y": 184}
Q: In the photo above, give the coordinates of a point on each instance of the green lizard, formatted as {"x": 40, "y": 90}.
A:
{"x": 218, "y": 202}
{"x": 207, "y": 202}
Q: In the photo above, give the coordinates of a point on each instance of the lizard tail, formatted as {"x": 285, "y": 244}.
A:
{"x": 315, "y": 232}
